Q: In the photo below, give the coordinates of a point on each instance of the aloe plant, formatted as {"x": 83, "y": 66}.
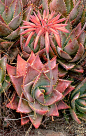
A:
{"x": 4, "y": 79}
{"x": 72, "y": 49}
{"x": 36, "y": 94}
{"x": 78, "y": 102}
{"x": 72, "y": 9}
{"x": 11, "y": 13}
{"x": 43, "y": 27}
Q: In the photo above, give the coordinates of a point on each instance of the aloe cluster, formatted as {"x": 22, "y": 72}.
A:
{"x": 46, "y": 42}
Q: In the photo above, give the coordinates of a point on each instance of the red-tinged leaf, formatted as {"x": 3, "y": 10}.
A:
{"x": 60, "y": 20}
{"x": 53, "y": 46}
{"x": 39, "y": 95}
{"x": 51, "y": 15}
{"x": 11, "y": 70}
{"x": 61, "y": 105}
{"x": 78, "y": 68}
{"x": 7, "y": 15}
{"x": 39, "y": 15}
{"x": 59, "y": 25}
{"x": 21, "y": 64}
{"x": 81, "y": 38}
{"x": 53, "y": 98}
{"x": 41, "y": 80}
{"x": 74, "y": 11}
{"x": 4, "y": 29}
{"x": 53, "y": 111}
{"x": 79, "y": 53}
{"x": 13, "y": 104}
{"x": 55, "y": 19}
{"x": 74, "y": 116}
{"x": 54, "y": 31}
{"x": 31, "y": 58}
{"x": 58, "y": 6}
{"x": 35, "y": 119}
{"x": 62, "y": 85}
{"x": 66, "y": 65}
{"x": 15, "y": 22}
{"x": 71, "y": 47}
{"x": 13, "y": 35}
{"x": 18, "y": 7}
{"x": 54, "y": 74}
{"x": 28, "y": 39}
{"x": 30, "y": 74}
{"x": 47, "y": 41}
{"x": 1, "y": 19}
{"x": 28, "y": 24}
{"x": 44, "y": 14}
{"x": 37, "y": 64}
{"x": 68, "y": 90}
{"x": 17, "y": 82}
{"x": 63, "y": 29}
{"x": 23, "y": 106}
{"x": 61, "y": 72}
{"x": 37, "y": 19}
{"x": 58, "y": 39}
{"x": 24, "y": 119}
{"x": 37, "y": 38}
{"x": 27, "y": 31}
{"x": 27, "y": 91}
{"x": 77, "y": 95}
{"x": 63, "y": 54}
{"x": 38, "y": 108}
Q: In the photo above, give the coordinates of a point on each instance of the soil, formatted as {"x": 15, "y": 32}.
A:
{"x": 59, "y": 127}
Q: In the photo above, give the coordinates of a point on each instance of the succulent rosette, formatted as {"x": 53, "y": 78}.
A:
{"x": 72, "y": 50}
{"x": 72, "y": 9}
{"x": 37, "y": 93}
{"x": 4, "y": 79}
{"x": 78, "y": 102}
{"x": 10, "y": 19}
{"x": 40, "y": 30}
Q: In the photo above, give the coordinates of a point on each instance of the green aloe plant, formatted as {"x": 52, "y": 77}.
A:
{"x": 11, "y": 13}
{"x": 4, "y": 79}
{"x": 78, "y": 102}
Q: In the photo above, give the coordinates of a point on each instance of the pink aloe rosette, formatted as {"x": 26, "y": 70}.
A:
{"x": 43, "y": 28}
{"x": 36, "y": 94}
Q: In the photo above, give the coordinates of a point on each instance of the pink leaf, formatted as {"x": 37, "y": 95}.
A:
{"x": 30, "y": 74}
{"x": 23, "y": 106}
{"x": 61, "y": 105}
{"x": 47, "y": 41}
{"x": 35, "y": 119}
{"x": 27, "y": 91}
{"x": 17, "y": 82}
{"x": 13, "y": 104}
{"x": 53, "y": 111}
{"x": 38, "y": 108}
{"x": 37, "y": 38}
{"x": 74, "y": 116}
{"x": 62, "y": 85}
{"x": 11, "y": 70}
{"x": 21, "y": 64}
{"x": 24, "y": 119}
{"x": 28, "y": 39}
